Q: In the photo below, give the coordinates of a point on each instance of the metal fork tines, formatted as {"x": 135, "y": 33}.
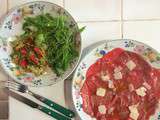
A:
{"x": 14, "y": 86}
{"x": 24, "y": 89}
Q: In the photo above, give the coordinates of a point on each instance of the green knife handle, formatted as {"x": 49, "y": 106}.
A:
{"x": 53, "y": 114}
{"x": 55, "y": 106}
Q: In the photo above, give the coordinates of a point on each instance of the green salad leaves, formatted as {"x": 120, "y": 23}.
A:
{"x": 56, "y": 35}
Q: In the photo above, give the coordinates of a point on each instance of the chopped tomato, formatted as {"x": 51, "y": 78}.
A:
{"x": 33, "y": 59}
{"x": 38, "y": 51}
{"x": 23, "y": 51}
{"x": 23, "y": 63}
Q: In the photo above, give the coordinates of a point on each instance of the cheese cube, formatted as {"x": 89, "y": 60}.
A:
{"x": 110, "y": 84}
{"x": 117, "y": 75}
{"x": 131, "y": 65}
{"x": 102, "y": 109}
{"x": 134, "y": 114}
{"x": 94, "y": 119}
{"x": 101, "y": 92}
{"x": 141, "y": 91}
{"x": 131, "y": 87}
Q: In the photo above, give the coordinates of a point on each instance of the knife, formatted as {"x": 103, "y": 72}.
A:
{"x": 34, "y": 105}
{"x": 53, "y": 105}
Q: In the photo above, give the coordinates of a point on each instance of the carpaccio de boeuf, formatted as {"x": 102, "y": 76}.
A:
{"x": 121, "y": 86}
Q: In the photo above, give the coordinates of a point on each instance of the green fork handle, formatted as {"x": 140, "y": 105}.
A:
{"x": 55, "y": 106}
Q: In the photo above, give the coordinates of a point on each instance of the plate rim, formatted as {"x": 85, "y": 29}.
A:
{"x": 2, "y": 20}
{"x": 106, "y": 41}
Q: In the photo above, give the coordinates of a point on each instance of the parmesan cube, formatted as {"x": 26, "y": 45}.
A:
{"x": 101, "y": 92}
{"x": 131, "y": 87}
{"x": 134, "y": 114}
{"x": 141, "y": 91}
{"x": 104, "y": 77}
{"x": 117, "y": 75}
{"x": 94, "y": 119}
{"x": 110, "y": 84}
{"x": 102, "y": 109}
{"x": 131, "y": 65}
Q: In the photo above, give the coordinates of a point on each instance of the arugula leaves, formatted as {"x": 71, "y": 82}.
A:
{"x": 57, "y": 36}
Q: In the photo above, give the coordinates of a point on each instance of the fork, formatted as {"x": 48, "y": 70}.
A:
{"x": 24, "y": 89}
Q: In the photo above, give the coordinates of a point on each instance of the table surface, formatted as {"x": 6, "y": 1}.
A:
{"x": 106, "y": 19}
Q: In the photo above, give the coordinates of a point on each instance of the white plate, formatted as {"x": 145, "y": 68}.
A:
{"x": 98, "y": 52}
{"x": 11, "y": 26}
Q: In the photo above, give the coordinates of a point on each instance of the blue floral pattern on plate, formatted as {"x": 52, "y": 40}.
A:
{"x": 152, "y": 56}
{"x": 11, "y": 26}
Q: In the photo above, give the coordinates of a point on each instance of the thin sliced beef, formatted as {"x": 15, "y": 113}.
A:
{"x": 86, "y": 95}
{"x": 121, "y": 74}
